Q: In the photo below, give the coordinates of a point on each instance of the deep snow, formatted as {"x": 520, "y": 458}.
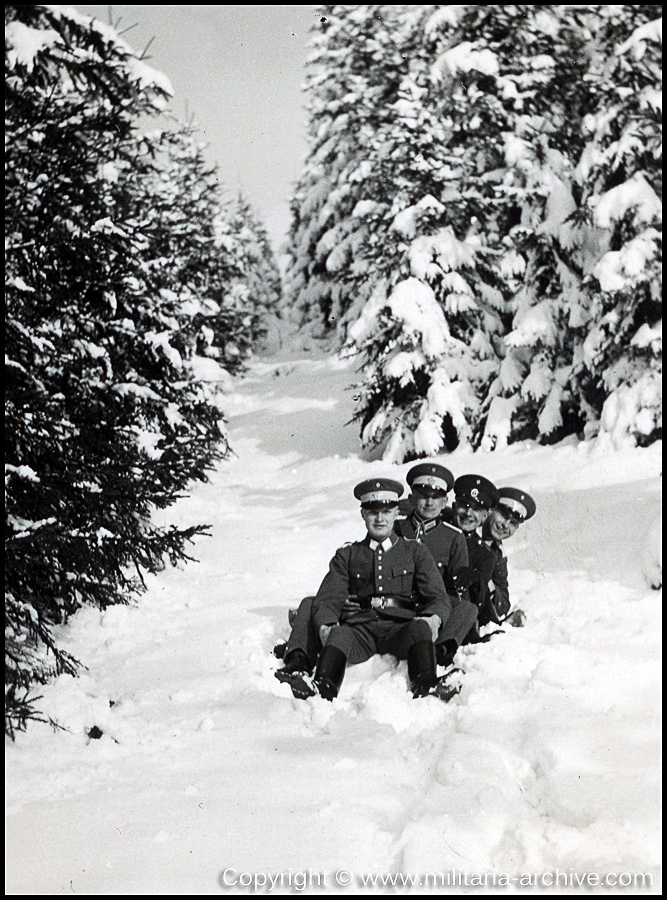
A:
{"x": 548, "y": 760}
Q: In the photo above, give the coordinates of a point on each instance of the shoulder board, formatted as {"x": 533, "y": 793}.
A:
{"x": 453, "y": 527}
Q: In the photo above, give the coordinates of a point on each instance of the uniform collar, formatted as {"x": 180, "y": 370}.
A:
{"x": 423, "y": 525}
{"x": 386, "y": 544}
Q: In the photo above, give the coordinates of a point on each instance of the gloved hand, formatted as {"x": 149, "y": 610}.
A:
{"x": 351, "y": 605}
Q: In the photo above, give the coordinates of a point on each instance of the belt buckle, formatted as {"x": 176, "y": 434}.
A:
{"x": 378, "y": 602}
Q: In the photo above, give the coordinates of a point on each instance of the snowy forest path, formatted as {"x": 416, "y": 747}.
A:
{"x": 207, "y": 764}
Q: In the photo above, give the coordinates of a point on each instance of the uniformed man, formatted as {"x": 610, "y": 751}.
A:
{"x": 399, "y": 599}
{"x": 474, "y": 498}
{"x": 429, "y": 484}
{"x": 513, "y": 508}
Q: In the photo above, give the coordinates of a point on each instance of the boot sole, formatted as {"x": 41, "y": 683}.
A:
{"x": 301, "y": 689}
{"x": 444, "y": 691}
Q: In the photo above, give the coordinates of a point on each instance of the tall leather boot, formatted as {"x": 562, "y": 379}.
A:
{"x": 444, "y": 652}
{"x": 422, "y": 673}
{"x": 330, "y": 672}
{"x": 295, "y": 672}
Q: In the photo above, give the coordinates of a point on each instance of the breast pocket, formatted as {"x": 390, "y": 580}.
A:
{"x": 402, "y": 578}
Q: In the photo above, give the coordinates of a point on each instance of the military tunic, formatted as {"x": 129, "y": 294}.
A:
{"x": 396, "y": 584}
{"x": 446, "y": 542}
{"x": 449, "y": 549}
{"x": 483, "y": 563}
{"x": 449, "y": 544}
{"x": 392, "y": 586}
{"x": 498, "y": 596}
{"x": 501, "y": 591}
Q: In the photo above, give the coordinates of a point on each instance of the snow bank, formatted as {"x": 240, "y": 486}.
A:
{"x": 548, "y": 759}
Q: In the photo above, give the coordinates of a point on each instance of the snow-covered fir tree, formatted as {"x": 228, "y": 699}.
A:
{"x": 463, "y": 259}
{"x": 425, "y": 332}
{"x": 620, "y": 178}
{"x": 537, "y": 59}
{"x": 484, "y": 108}
{"x": 213, "y": 335}
{"x": 547, "y": 386}
{"x": 351, "y": 78}
{"x": 115, "y": 286}
{"x": 256, "y": 289}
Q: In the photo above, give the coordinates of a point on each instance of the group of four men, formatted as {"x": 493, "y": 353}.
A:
{"x": 417, "y": 586}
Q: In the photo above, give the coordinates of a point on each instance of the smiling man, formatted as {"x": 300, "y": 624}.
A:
{"x": 514, "y": 507}
{"x": 401, "y": 598}
{"x": 383, "y": 594}
{"x": 474, "y": 498}
{"x": 430, "y": 484}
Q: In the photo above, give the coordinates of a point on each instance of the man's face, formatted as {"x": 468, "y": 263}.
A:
{"x": 502, "y": 524}
{"x": 428, "y": 504}
{"x": 468, "y": 518}
{"x": 380, "y": 522}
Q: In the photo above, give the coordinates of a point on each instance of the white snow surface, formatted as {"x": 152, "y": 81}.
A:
{"x": 635, "y": 193}
{"x": 24, "y": 43}
{"x": 547, "y": 760}
{"x": 464, "y": 58}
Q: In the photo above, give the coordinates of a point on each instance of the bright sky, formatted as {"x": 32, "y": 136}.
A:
{"x": 238, "y": 71}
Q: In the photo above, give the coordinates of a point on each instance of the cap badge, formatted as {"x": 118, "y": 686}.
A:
{"x": 474, "y": 493}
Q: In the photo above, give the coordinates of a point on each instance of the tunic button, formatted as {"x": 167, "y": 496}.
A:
{"x": 380, "y": 568}
{"x": 440, "y": 565}
{"x": 380, "y": 588}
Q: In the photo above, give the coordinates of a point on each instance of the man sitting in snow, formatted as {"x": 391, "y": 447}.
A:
{"x": 430, "y": 483}
{"x": 399, "y": 602}
{"x": 474, "y": 497}
{"x": 513, "y": 508}
{"x": 488, "y": 516}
